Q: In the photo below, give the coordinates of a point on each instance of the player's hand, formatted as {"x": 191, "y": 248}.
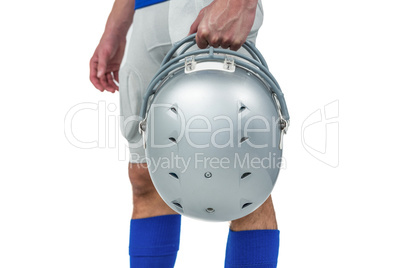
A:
{"x": 224, "y": 23}
{"x": 105, "y": 63}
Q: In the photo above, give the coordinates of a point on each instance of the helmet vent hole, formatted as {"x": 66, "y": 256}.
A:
{"x": 242, "y": 107}
{"x": 246, "y": 174}
{"x": 246, "y": 205}
{"x": 243, "y": 139}
{"x": 173, "y": 109}
{"x": 174, "y": 175}
{"x": 172, "y": 139}
{"x": 177, "y": 204}
{"x": 210, "y": 210}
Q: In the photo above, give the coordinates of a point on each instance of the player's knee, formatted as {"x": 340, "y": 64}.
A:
{"x": 140, "y": 180}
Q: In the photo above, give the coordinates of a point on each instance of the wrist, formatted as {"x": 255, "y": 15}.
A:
{"x": 111, "y": 37}
{"x": 249, "y": 4}
{"x": 239, "y": 5}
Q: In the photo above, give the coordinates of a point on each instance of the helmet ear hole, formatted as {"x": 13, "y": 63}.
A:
{"x": 172, "y": 139}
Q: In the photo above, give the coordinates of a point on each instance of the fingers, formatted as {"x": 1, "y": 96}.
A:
{"x": 102, "y": 64}
{"x": 105, "y": 82}
{"x": 116, "y": 76}
{"x": 225, "y": 25}
{"x": 93, "y": 70}
{"x": 225, "y": 43}
{"x": 201, "y": 39}
{"x": 236, "y": 45}
{"x": 112, "y": 87}
{"x": 105, "y": 77}
{"x": 215, "y": 41}
{"x": 108, "y": 83}
{"x": 101, "y": 79}
{"x": 206, "y": 36}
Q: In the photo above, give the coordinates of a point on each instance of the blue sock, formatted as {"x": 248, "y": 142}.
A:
{"x": 154, "y": 241}
{"x": 252, "y": 249}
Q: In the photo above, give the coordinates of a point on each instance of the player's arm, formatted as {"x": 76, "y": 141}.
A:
{"x": 225, "y": 23}
{"x": 105, "y": 62}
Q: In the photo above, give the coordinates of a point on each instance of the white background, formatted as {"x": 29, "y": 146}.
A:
{"x": 62, "y": 206}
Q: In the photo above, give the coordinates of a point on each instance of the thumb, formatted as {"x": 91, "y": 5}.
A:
{"x": 102, "y": 64}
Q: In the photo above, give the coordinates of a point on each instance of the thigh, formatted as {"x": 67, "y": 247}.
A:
{"x": 147, "y": 45}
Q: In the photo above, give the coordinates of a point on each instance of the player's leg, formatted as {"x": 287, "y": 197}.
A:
{"x": 253, "y": 240}
{"x": 261, "y": 219}
{"x": 155, "y": 228}
{"x": 146, "y": 200}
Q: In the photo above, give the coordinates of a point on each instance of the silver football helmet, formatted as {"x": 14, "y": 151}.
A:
{"x": 213, "y": 126}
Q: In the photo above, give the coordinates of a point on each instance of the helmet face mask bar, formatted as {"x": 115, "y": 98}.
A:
{"x": 213, "y": 125}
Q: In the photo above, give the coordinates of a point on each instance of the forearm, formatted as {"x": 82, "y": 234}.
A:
{"x": 244, "y": 4}
{"x": 235, "y": 7}
{"x": 230, "y": 10}
{"x": 120, "y": 17}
